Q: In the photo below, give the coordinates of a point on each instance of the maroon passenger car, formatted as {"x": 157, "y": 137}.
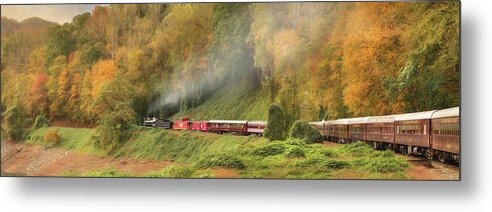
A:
{"x": 341, "y": 131}
{"x": 413, "y": 133}
{"x": 446, "y": 134}
{"x": 357, "y": 129}
{"x": 380, "y": 131}
{"x": 228, "y": 126}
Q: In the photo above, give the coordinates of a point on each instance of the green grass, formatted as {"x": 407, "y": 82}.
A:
{"x": 183, "y": 146}
{"x": 100, "y": 173}
{"x": 233, "y": 102}
{"x": 197, "y": 154}
{"x": 73, "y": 139}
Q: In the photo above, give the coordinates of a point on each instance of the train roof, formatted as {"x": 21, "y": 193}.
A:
{"x": 228, "y": 121}
{"x": 359, "y": 120}
{"x": 415, "y": 116}
{"x": 449, "y": 112}
{"x": 316, "y": 123}
{"x": 330, "y": 122}
{"x": 257, "y": 122}
{"x": 381, "y": 119}
{"x": 342, "y": 121}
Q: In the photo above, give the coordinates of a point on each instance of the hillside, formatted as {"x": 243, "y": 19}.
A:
{"x": 235, "y": 102}
{"x": 207, "y": 155}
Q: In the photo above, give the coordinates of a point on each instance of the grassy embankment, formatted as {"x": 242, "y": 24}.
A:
{"x": 234, "y": 102}
{"x": 198, "y": 154}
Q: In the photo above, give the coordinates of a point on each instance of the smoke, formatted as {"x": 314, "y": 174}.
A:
{"x": 198, "y": 78}
{"x": 200, "y": 85}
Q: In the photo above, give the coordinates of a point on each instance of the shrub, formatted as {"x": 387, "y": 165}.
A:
{"x": 223, "y": 160}
{"x": 329, "y": 153}
{"x": 358, "y": 149}
{"x": 304, "y": 131}
{"x": 275, "y": 129}
{"x": 39, "y": 122}
{"x": 314, "y": 161}
{"x": 359, "y": 162}
{"x": 14, "y": 123}
{"x": 295, "y": 152}
{"x": 336, "y": 164}
{"x": 294, "y": 142}
{"x": 51, "y": 138}
{"x": 270, "y": 149}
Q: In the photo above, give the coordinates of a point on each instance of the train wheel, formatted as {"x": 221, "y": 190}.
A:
{"x": 441, "y": 156}
{"x": 390, "y": 147}
{"x": 403, "y": 150}
{"x": 428, "y": 154}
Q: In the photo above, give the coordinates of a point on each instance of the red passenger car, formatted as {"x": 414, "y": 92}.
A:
{"x": 329, "y": 129}
{"x": 341, "y": 130}
{"x": 228, "y": 126}
{"x": 256, "y": 127}
{"x": 357, "y": 129}
{"x": 380, "y": 130}
{"x": 182, "y": 124}
{"x": 446, "y": 134}
{"x": 413, "y": 133}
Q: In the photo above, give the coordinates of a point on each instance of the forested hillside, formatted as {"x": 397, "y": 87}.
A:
{"x": 316, "y": 60}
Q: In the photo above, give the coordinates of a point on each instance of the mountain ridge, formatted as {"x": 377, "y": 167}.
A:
{"x": 32, "y": 23}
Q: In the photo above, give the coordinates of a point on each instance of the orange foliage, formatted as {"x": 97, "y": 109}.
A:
{"x": 101, "y": 72}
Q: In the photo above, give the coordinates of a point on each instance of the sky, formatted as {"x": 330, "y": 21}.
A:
{"x": 56, "y": 13}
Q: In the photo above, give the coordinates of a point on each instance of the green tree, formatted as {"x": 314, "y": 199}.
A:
{"x": 275, "y": 129}
{"x": 113, "y": 106}
{"x": 13, "y": 123}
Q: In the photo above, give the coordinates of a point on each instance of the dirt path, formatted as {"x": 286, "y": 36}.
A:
{"x": 36, "y": 160}
{"x": 423, "y": 169}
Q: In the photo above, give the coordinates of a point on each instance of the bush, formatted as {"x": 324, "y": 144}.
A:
{"x": 328, "y": 153}
{"x": 223, "y": 160}
{"x": 275, "y": 129}
{"x": 51, "y": 138}
{"x": 358, "y": 149}
{"x": 314, "y": 161}
{"x": 295, "y": 152}
{"x": 270, "y": 149}
{"x": 39, "y": 122}
{"x": 295, "y": 142}
{"x": 386, "y": 165}
{"x": 14, "y": 123}
{"x": 304, "y": 131}
{"x": 336, "y": 164}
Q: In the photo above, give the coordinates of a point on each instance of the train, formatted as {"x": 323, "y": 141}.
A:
{"x": 240, "y": 127}
{"x": 434, "y": 134}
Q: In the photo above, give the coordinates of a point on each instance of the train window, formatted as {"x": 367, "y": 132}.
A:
{"x": 409, "y": 129}
{"x": 446, "y": 129}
